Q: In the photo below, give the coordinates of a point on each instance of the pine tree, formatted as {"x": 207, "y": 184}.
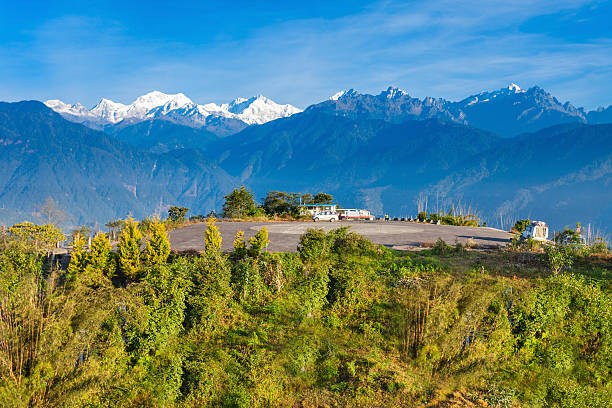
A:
{"x": 239, "y": 245}
{"x": 78, "y": 259}
{"x": 258, "y": 242}
{"x": 158, "y": 245}
{"x": 129, "y": 250}
{"x": 212, "y": 237}
{"x": 101, "y": 266}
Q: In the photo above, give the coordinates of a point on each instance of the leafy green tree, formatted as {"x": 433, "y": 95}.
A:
{"x": 279, "y": 202}
{"x": 129, "y": 250}
{"x": 156, "y": 342}
{"x": 258, "y": 243}
{"x": 239, "y": 203}
{"x": 323, "y": 198}
{"x": 177, "y": 214}
{"x": 41, "y": 237}
{"x": 211, "y": 292}
{"x": 520, "y": 226}
{"x": 212, "y": 237}
{"x": 158, "y": 245}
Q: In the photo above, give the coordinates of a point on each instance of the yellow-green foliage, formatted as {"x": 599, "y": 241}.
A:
{"x": 212, "y": 237}
{"x": 78, "y": 258}
{"x": 158, "y": 245}
{"x": 239, "y": 245}
{"x": 258, "y": 242}
{"x": 42, "y": 237}
{"x": 129, "y": 250}
{"x": 100, "y": 262}
{"x": 341, "y": 323}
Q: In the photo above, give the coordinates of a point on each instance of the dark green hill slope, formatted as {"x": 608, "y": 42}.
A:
{"x": 93, "y": 176}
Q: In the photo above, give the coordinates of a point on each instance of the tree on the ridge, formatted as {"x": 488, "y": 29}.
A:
{"x": 323, "y": 198}
{"x": 239, "y": 203}
{"x": 158, "y": 245}
{"x": 129, "y": 250}
{"x": 177, "y": 214}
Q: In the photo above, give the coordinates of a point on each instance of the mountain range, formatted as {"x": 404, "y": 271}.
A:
{"x": 221, "y": 119}
{"x": 508, "y": 154}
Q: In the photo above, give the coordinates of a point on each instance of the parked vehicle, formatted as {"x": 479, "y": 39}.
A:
{"x": 354, "y": 214}
{"x": 325, "y": 216}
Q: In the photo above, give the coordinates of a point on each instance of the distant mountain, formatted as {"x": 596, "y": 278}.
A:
{"x": 93, "y": 176}
{"x": 600, "y": 115}
{"x": 220, "y": 119}
{"x": 162, "y": 136}
{"x": 561, "y": 174}
{"x": 354, "y": 158}
{"x": 508, "y": 112}
{"x": 513, "y": 111}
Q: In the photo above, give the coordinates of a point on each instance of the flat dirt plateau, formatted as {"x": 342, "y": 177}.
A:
{"x": 284, "y": 236}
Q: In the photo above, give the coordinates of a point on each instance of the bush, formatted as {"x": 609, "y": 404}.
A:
{"x": 441, "y": 247}
{"x": 559, "y": 257}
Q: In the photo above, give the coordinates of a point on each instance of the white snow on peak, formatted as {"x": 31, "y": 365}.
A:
{"x": 515, "y": 88}
{"x": 339, "y": 95}
{"x": 393, "y": 92}
{"x": 60, "y": 107}
{"x": 176, "y": 107}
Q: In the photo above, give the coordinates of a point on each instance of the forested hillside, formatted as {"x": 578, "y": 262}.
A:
{"x": 342, "y": 322}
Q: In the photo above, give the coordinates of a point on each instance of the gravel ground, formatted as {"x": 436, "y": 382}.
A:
{"x": 284, "y": 236}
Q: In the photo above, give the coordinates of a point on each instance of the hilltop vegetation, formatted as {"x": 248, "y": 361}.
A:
{"x": 342, "y": 322}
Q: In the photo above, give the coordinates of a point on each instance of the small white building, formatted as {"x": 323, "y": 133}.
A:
{"x": 312, "y": 209}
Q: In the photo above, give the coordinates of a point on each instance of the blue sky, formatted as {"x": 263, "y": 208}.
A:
{"x": 303, "y": 52}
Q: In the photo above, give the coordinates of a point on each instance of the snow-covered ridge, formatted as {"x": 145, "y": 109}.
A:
{"x": 174, "y": 107}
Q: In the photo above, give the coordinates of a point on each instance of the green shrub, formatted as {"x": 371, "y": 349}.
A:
{"x": 559, "y": 257}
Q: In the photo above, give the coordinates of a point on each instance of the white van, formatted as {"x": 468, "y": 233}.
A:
{"x": 325, "y": 216}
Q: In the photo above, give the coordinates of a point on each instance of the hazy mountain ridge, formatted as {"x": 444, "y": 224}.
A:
{"x": 562, "y": 173}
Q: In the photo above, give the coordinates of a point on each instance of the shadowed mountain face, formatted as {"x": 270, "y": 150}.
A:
{"x": 351, "y": 158}
{"x": 161, "y": 136}
{"x": 92, "y": 176}
{"x": 507, "y": 112}
{"x": 562, "y": 174}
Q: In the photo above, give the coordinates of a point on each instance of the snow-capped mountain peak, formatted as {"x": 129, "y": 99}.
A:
{"x": 61, "y": 107}
{"x": 515, "y": 88}
{"x": 154, "y": 99}
{"x": 341, "y": 94}
{"x": 177, "y": 108}
{"x": 393, "y": 92}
